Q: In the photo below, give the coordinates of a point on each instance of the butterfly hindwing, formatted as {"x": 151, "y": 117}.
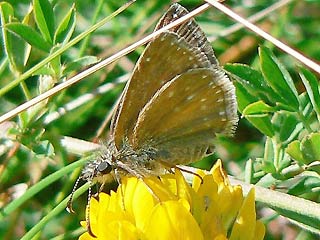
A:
{"x": 183, "y": 117}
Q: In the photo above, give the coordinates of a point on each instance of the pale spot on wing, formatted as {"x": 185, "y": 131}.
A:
{"x": 203, "y": 107}
{"x": 211, "y": 84}
{"x": 163, "y": 38}
{"x": 222, "y": 113}
{"x": 184, "y": 52}
{"x": 178, "y": 48}
{"x": 203, "y": 99}
{"x": 191, "y": 58}
{"x": 218, "y": 91}
{"x": 187, "y": 89}
{"x": 171, "y": 93}
{"x": 190, "y": 97}
{"x": 208, "y": 124}
{"x": 220, "y": 100}
{"x": 148, "y": 59}
{"x": 205, "y": 76}
{"x": 176, "y": 109}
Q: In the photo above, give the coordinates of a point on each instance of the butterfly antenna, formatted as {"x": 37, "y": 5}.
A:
{"x": 189, "y": 171}
{"x": 88, "y": 213}
{"x": 69, "y": 204}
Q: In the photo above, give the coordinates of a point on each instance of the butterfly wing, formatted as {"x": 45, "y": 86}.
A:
{"x": 163, "y": 59}
{"x": 170, "y": 54}
{"x": 182, "y": 118}
{"x": 177, "y": 59}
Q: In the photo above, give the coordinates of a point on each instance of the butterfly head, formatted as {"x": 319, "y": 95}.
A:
{"x": 99, "y": 168}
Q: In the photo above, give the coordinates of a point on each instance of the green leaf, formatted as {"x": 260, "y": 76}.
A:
{"x": 278, "y": 78}
{"x": 268, "y": 158}
{"x": 266, "y": 181}
{"x": 15, "y": 48}
{"x": 247, "y": 76}
{"x": 306, "y": 151}
{"x": 258, "y": 108}
{"x": 44, "y": 148}
{"x": 55, "y": 63}
{"x": 249, "y": 170}
{"x": 261, "y": 119}
{"x": 44, "y": 18}
{"x": 287, "y": 126}
{"x": 311, "y": 84}
{"x": 29, "y": 35}
{"x": 244, "y": 98}
{"x": 45, "y": 70}
{"x": 294, "y": 151}
{"x": 304, "y": 185}
{"x": 28, "y": 20}
{"x": 310, "y": 147}
{"x": 6, "y": 12}
{"x": 66, "y": 27}
{"x": 253, "y": 82}
{"x": 80, "y": 63}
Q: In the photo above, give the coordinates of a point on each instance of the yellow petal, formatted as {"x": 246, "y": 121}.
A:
{"x": 244, "y": 226}
{"x": 171, "y": 220}
{"x": 110, "y": 224}
{"x": 142, "y": 204}
{"x": 169, "y": 180}
{"x": 259, "y": 231}
{"x": 219, "y": 237}
{"x": 196, "y": 182}
{"x": 119, "y": 230}
{"x": 184, "y": 190}
{"x": 93, "y": 209}
{"x": 218, "y": 173}
{"x": 230, "y": 199}
{"x": 86, "y": 236}
{"x": 160, "y": 191}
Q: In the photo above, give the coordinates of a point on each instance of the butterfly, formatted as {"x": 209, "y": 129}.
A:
{"x": 176, "y": 101}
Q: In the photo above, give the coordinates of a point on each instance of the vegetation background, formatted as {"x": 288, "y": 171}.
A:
{"x": 275, "y": 146}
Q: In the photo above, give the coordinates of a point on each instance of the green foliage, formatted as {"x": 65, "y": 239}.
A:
{"x": 277, "y": 141}
{"x": 290, "y": 122}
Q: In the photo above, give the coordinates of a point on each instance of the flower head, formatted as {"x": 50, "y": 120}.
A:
{"x": 169, "y": 208}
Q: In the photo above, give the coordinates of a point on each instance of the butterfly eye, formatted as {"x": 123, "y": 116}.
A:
{"x": 104, "y": 168}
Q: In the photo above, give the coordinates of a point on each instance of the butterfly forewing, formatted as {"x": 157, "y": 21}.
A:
{"x": 180, "y": 121}
{"x": 164, "y": 58}
{"x": 189, "y": 30}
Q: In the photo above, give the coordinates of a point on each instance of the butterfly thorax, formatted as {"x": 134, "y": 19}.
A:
{"x": 110, "y": 163}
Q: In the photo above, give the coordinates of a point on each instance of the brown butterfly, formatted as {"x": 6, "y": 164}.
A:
{"x": 171, "y": 109}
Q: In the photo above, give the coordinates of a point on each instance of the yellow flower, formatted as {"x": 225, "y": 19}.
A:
{"x": 169, "y": 208}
